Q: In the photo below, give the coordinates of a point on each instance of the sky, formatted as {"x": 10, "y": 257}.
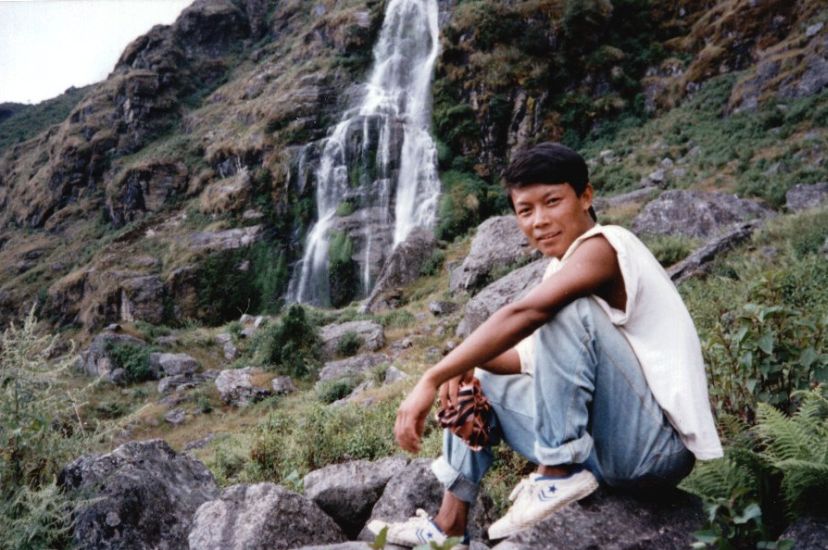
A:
{"x": 46, "y": 46}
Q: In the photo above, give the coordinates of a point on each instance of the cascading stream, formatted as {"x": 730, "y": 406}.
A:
{"x": 379, "y": 160}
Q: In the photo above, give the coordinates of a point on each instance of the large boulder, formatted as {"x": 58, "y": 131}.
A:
{"x": 615, "y": 522}
{"x": 142, "y": 299}
{"x": 241, "y": 387}
{"x": 141, "y": 495}
{"x": 352, "y": 366}
{"x": 697, "y": 214}
{"x": 498, "y": 242}
{"x": 369, "y": 333}
{"x": 802, "y": 196}
{"x": 229, "y": 239}
{"x": 500, "y": 293}
{"x": 699, "y": 260}
{"x": 402, "y": 268}
{"x": 261, "y": 516}
{"x": 97, "y": 360}
{"x": 347, "y": 492}
{"x": 807, "y": 533}
{"x": 172, "y": 364}
{"x": 411, "y": 488}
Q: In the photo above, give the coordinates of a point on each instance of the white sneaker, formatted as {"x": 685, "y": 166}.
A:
{"x": 414, "y": 531}
{"x": 535, "y": 498}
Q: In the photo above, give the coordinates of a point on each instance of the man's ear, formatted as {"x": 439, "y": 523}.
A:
{"x": 586, "y": 196}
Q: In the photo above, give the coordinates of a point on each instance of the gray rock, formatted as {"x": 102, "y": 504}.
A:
{"x": 639, "y": 195}
{"x": 812, "y": 30}
{"x": 615, "y": 522}
{"x": 802, "y": 196}
{"x": 442, "y": 307}
{"x": 402, "y": 268}
{"x": 142, "y": 298}
{"x": 176, "y": 417}
{"x": 172, "y": 364}
{"x": 96, "y": 361}
{"x": 807, "y": 533}
{"x": 181, "y": 382}
{"x": 229, "y": 239}
{"x": 236, "y": 387}
{"x": 199, "y": 443}
{"x": 498, "y": 242}
{"x": 262, "y": 516}
{"x": 283, "y": 385}
{"x": 696, "y": 214}
{"x": 499, "y": 293}
{"x": 696, "y": 262}
{"x": 413, "y": 487}
{"x": 142, "y": 495}
{"x": 369, "y": 332}
{"x": 347, "y": 492}
{"x": 352, "y": 366}
{"x": 350, "y": 545}
{"x": 393, "y": 374}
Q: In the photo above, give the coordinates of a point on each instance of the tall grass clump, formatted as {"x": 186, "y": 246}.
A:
{"x": 40, "y": 431}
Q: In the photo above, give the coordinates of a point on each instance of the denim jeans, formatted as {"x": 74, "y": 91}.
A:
{"x": 586, "y": 403}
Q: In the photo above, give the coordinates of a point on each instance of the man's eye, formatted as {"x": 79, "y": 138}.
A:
{"x": 552, "y": 201}
{"x": 523, "y": 212}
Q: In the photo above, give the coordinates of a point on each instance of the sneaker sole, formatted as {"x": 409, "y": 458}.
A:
{"x": 376, "y": 525}
{"x": 505, "y": 532}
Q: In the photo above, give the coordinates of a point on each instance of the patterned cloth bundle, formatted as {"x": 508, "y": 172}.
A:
{"x": 468, "y": 418}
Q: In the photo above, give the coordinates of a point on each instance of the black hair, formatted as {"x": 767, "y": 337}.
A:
{"x": 549, "y": 163}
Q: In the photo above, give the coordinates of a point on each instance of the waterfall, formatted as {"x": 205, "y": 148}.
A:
{"x": 376, "y": 178}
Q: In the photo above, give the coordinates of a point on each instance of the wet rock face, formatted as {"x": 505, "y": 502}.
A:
{"x": 142, "y": 495}
{"x": 616, "y": 521}
{"x": 262, "y": 516}
{"x": 347, "y": 492}
{"x": 403, "y": 267}
{"x": 498, "y": 242}
{"x": 696, "y": 214}
{"x": 499, "y": 293}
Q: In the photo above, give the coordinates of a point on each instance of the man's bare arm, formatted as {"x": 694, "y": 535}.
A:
{"x": 591, "y": 267}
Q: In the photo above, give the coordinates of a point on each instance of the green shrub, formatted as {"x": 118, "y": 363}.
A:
{"x": 342, "y": 270}
{"x": 291, "y": 345}
{"x": 41, "y": 429}
{"x": 133, "y": 358}
{"x": 150, "y": 331}
{"x": 398, "y": 318}
{"x": 433, "y": 264}
{"x": 333, "y": 390}
{"x": 670, "y": 249}
{"x": 349, "y": 344}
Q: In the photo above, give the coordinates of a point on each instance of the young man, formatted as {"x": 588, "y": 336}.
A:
{"x": 596, "y": 374}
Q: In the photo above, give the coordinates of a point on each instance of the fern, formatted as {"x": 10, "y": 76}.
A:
{"x": 797, "y": 446}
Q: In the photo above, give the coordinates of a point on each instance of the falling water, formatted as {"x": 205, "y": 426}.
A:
{"x": 379, "y": 160}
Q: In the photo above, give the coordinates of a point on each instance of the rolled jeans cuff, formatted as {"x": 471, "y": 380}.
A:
{"x": 453, "y": 481}
{"x": 571, "y": 452}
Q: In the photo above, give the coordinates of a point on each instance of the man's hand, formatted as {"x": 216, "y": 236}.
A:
{"x": 449, "y": 389}
{"x": 411, "y": 416}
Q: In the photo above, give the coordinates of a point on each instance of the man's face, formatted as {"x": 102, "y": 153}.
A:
{"x": 552, "y": 216}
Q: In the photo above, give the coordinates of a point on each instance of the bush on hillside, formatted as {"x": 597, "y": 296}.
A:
{"x": 290, "y": 346}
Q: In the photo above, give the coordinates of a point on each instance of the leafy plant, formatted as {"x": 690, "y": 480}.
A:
{"x": 133, "y": 358}
{"x": 290, "y": 346}
{"x": 333, "y": 390}
{"x": 349, "y": 344}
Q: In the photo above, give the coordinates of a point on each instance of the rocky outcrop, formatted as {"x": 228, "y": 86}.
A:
{"x": 347, "y": 492}
{"x": 802, "y": 196}
{"x": 227, "y": 195}
{"x": 97, "y": 359}
{"x": 602, "y": 204}
{"x": 402, "y": 268}
{"x": 142, "y": 495}
{"x": 263, "y": 516}
{"x": 498, "y": 294}
{"x": 497, "y": 244}
{"x": 181, "y": 382}
{"x": 229, "y": 239}
{"x": 144, "y": 188}
{"x": 695, "y": 214}
{"x": 241, "y": 387}
{"x": 351, "y": 367}
{"x": 142, "y": 299}
{"x": 369, "y": 333}
{"x": 616, "y": 521}
{"x": 807, "y": 533}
